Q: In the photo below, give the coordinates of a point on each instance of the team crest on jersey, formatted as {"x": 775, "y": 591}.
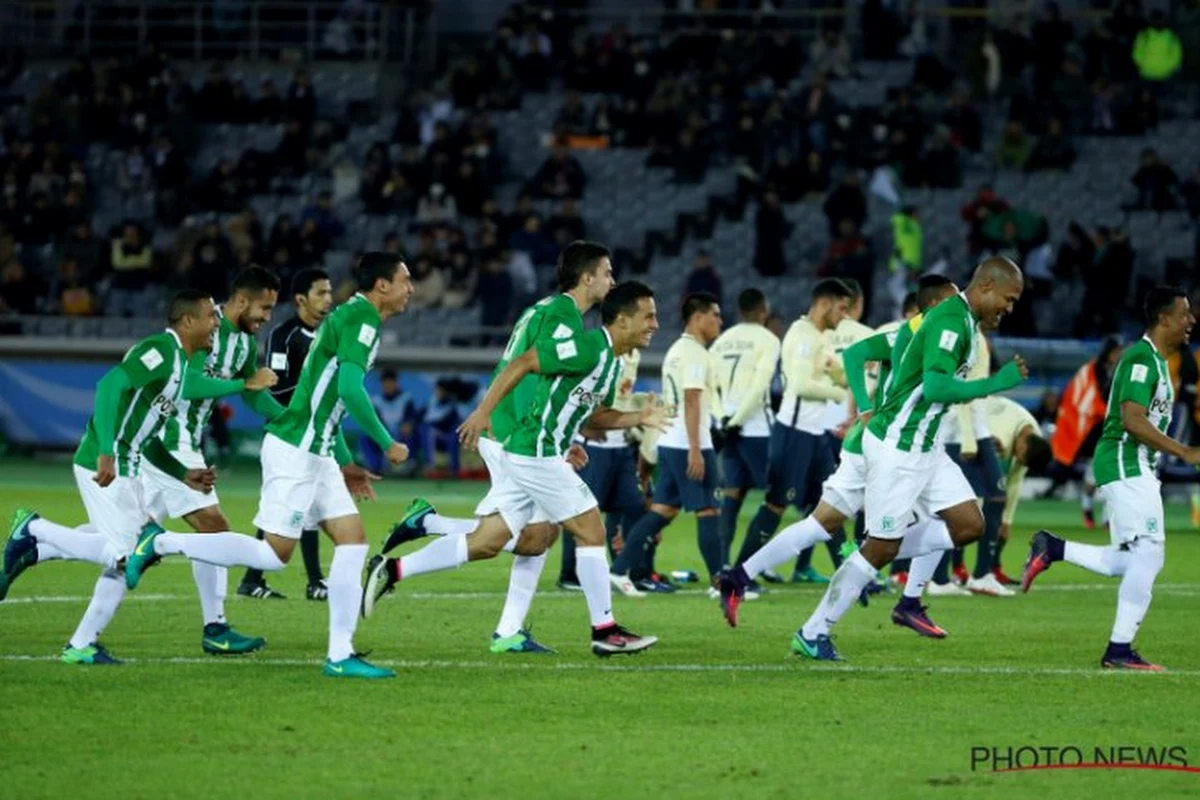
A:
{"x": 297, "y": 519}
{"x": 1152, "y": 525}
{"x": 887, "y": 524}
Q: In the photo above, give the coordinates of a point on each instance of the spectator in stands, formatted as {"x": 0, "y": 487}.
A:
{"x": 572, "y": 117}
{"x": 941, "y": 165}
{"x": 704, "y": 277}
{"x": 291, "y": 156}
{"x": 690, "y": 158}
{"x": 814, "y": 175}
{"x": 1155, "y": 182}
{"x": 1104, "y": 117}
{"x": 906, "y": 259}
{"x": 132, "y": 263}
{"x": 1050, "y": 36}
{"x": 222, "y": 190}
{"x": 785, "y": 176}
{"x": 847, "y": 201}
{"x": 440, "y": 426}
{"x": 72, "y": 293}
{"x": 1157, "y": 51}
{"x": 134, "y": 173}
{"x": 524, "y": 275}
{"x": 461, "y": 277}
{"x": 1141, "y": 115}
{"x": 38, "y": 224}
{"x": 1053, "y": 149}
{"x": 533, "y": 58}
{"x": 1071, "y": 94}
{"x": 1014, "y": 148}
{"x": 559, "y": 176}
{"x": 268, "y": 108}
{"x": 495, "y": 292}
{"x": 849, "y": 256}
{"x": 311, "y": 245}
{"x": 429, "y": 285}
{"x": 830, "y": 54}
{"x": 469, "y": 189}
{"x": 976, "y": 213}
{"x": 966, "y": 128}
{"x": 399, "y": 414}
{"x": 568, "y": 219}
{"x": 301, "y": 102}
{"x": 83, "y": 248}
{"x": 20, "y": 291}
{"x": 212, "y": 267}
{"x": 772, "y": 229}
{"x": 327, "y": 222}
{"x": 170, "y": 170}
{"x": 212, "y": 236}
{"x": 534, "y": 242}
{"x": 436, "y": 207}
{"x": 1107, "y": 284}
{"x": 1076, "y": 254}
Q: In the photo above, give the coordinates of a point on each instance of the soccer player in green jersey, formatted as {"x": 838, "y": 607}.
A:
{"x": 1134, "y": 433}
{"x": 577, "y": 384}
{"x": 303, "y": 485}
{"x": 133, "y": 401}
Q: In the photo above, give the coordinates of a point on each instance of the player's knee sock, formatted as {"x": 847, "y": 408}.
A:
{"x": 310, "y": 549}
{"x": 924, "y": 537}
{"x": 210, "y": 582}
{"x": 985, "y": 557}
{"x": 1103, "y": 560}
{"x": 221, "y": 549}
{"x": 708, "y": 537}
{"x": 106, "y": 599}
{"x": 592, "y": 566}
{"x": 637, "y": 542}
{"x": 254, "y": 577}
{"x": 77, "y": 544}
{"x": 730, "y": 508}
{"x": 844, "y": 588}
{"x": 568, "y": 556}
{"x": 790, "y": 541}
{"x": 941, "y": 575}
{"x": 522, "y": 586}
{"x": 449, "y": 526}
{"x": 920, "y": 570}
{"x": 1133, "y": 600}
{"x": 834, "y": 546}
{"x": 345, "y": 597}
{"x": 761, "y": 529}
{"x": 448, "y": 552}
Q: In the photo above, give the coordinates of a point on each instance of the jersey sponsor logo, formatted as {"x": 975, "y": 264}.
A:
{"x": 562, "y": 332}
{"x": 163, "y": 406}
{"x": 366, "y": 334}
{"x": 566, "y": 349}
{"x": 948, "y": 340}
{"x": 585, "y": 397}
{"x": 151, "y": 359}
{"x": 279, "y": 361}
{"x": 1139, "y": 373}
{"x": 1160, "y": 406}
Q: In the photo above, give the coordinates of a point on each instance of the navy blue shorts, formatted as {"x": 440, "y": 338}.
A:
{"x": 674, "y": 489}
{"x": 611, "y": 474}
{"x": 983, "y": 472}
{"x": 798, "y": 464}
{"x": 744, "y": 465}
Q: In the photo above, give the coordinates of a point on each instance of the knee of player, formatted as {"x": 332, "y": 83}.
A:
{"x": 536, "y": 539}
{"x": 879, "y": 552}
{"x": 966, "y": 528}
{"x": 483, "y": 545}
{"x": 708, "y": 512}
{"x": 732, "y": 493}
{"x": 666, "y": 512}
{"x": 208, "y": 520}
{"x": 828, "y": 517}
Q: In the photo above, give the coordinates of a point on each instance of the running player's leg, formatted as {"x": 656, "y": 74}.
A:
{"x": 597, "y": 475}
{"x": 511, "y": 634}
{"x": 212, "y": 582}
{"x": 787, "y": 459}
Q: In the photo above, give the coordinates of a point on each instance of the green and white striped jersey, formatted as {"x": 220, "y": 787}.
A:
{"x": 1141, "y": 377}
{"x": 575, "y": 376}
{"x": 349, "y": 336}
{"x": 899, "y": 338}
{"x": 155, "y": 367}
{"x": 233, "y": 356}
{"x": 943, "y": 341}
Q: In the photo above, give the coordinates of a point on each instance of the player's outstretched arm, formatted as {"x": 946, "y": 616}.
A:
{"x": 480, "y": 420}
{"x": 198, "y": 386}
{"x": 855, "y": 358}
{"x": 944, "y": 387}
{"x": 358, "y": 404}
{"x": 654, "y": 414}
{"x": 1139, "y": 426}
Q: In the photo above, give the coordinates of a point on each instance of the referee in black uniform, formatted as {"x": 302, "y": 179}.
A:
{"x": 287, "y": 347}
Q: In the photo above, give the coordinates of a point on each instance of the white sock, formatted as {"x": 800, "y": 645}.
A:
{"x": 345, "y": 597}
{"x": 48, "y": 552}
{"x": 844, "y": 588}
{"x": 591, "y": 565}
{"x": 449, "y": 526}
{"x": 449, "y": 552}
{"x": 220, "y": 549}
{"x": 1133, "y": 601}
{"x": 106, "y": 599}
{"x": 926, "y": 536}
{"x": 920, "y": 571}
{"x": 1106, "y": 560}
{"x": 210, "y": 582}
{"x": 522, "y": 586}
{"x": 76, "y": 544}
{"x": 787, "y": 545}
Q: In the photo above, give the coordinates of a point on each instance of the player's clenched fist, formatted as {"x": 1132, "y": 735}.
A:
{"x": 262, "y": 379}
{"x": 397, "y": 454}
{"x": 202, "y": 480}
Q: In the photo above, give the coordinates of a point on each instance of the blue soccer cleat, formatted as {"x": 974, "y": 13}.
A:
{"x": 520, "y": 642}
{"x": 20, "y": 551}
{"x": 819, "y": 649}
{"x": 412, "y": 526}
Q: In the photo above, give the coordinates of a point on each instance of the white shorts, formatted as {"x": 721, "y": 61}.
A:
{"x": 168, "y": 497}
{"x": 846, "y": 487}
{"x": 118, "y": 511}
{"x": 541, "y": 489}
{"x": 300, "y": 490}
{"x": 900, "y": 484}
{"x": 493, "y": 455}
{"x": 1135, "y": 509}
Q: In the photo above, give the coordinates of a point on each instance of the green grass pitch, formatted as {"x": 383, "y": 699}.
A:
{"x": 710, "y": 711}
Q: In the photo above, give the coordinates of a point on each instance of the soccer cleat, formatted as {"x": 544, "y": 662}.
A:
{"x": 569, "y": 583}
{"x": 1089, "y": 519}
{"x": 732, "y": 583}
{"x": 520, "y": 642}
{"x": 1002, "y": 577}
{"x": 625, "y": 586}
{"x": 412, "y": 526}
{"x": 382, "y": 576}
{"x": 1125, "y": 657}
{"x": 909, "y": 613}
{"x": 990, "y": 586}
{"x": 652, "y": 586}
{"x": 961, "y": 576}
{"x": 20, "y": 551}
{"x": 819, "y": 649}
{"x": 950, "y": 589}
{"x": 355, "y": 667}
{"x": 93, "y": 655}
{"x": 613, "y": 640}
{"x": 221, "y": 640}
{"x": 809, "y": 575}
{"x": 771, "y": 576}
{"x": 143, "y": 555}
{"x": 1040, "y": 558}
{"x": 259, "y": 591}
{"x": 318, "y": 591}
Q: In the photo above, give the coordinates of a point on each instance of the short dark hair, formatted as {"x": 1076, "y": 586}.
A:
{"x": 623, "y": 299}
{"x": 1037, "y": 453}
{"x": 305, "y": 278}
{"x": 1159, "y": 301}
{"x": 253, "y": 280}
{"x": 185, "y": 302}
{"x": 375, "y": 266}
{"x": 577, "y": 259}
{"x": 929, "y": 287}
{"x": 751, "y": 300}
{"x": 854, "y": 286}
{"x": 388, "y": 374}
{"x": 697, "y": 303}
{"x": 831, "y": 288}
{"x": 910, "y": 303}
